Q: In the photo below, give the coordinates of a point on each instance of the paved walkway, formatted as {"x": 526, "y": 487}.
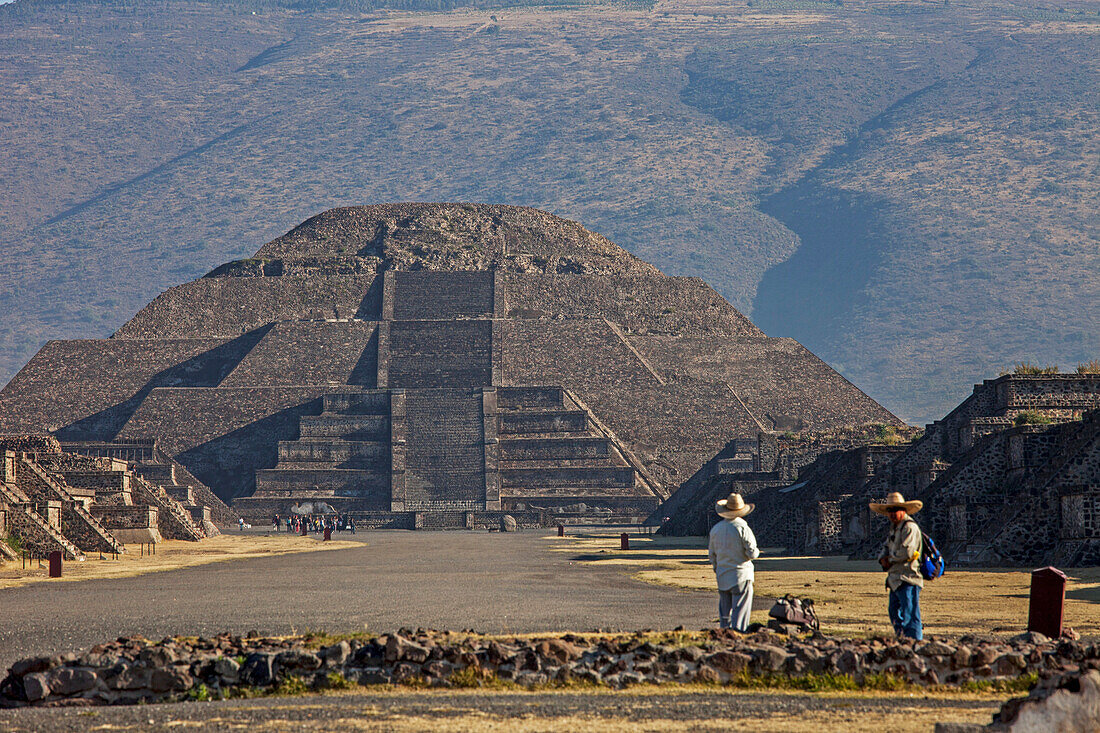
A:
{"x": 490, "y": 582}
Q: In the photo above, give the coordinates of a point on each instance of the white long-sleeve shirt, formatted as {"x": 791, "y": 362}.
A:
{"x": 732, "y": 550}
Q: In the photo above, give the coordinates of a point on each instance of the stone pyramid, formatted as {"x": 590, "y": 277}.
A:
{"x": 435, "y": 365}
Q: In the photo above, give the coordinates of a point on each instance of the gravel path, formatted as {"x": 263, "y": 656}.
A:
{"x": 491, "y": 582}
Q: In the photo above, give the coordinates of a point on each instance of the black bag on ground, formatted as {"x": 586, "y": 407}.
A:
{"x": 798, "y": 611}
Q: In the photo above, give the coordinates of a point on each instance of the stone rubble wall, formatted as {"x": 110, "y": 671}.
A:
{"x": 132, "y": 670}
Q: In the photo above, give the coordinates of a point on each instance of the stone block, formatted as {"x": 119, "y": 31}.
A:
{"x": 71, "y": 680}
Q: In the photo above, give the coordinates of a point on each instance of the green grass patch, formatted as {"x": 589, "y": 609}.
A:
{"x": 199, "y": 693}
{"x": 290, "y": 686}
{"x": 315, "y": 639}
{"x": 337, "y": 681}
{"x": 1023, "y": 683}
{"x": 1031, "y": 417}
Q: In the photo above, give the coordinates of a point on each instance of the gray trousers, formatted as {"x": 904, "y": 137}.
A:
{"x": 734, "y": 607}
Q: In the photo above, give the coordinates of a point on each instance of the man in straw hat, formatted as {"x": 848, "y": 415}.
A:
{"x": 900, "y": 558}
{"x": 732, "y": 550}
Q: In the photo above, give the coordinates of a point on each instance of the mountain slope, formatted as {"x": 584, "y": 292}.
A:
{"x": 910, "y": 194}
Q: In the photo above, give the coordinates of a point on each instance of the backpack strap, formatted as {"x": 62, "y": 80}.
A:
{"x": 920, "y": 535}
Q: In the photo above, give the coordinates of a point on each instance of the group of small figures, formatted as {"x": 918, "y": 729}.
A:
{"x": 314, "y": 523}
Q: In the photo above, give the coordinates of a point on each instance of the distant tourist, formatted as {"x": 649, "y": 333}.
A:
{"x": 240, "y": 523}
{"x": 732, "y": 550}
{"x": 900, "y": 558}
{"x": 275, "y": 523}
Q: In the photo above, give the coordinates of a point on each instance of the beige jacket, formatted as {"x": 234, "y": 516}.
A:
{"x": 902, "y": 549}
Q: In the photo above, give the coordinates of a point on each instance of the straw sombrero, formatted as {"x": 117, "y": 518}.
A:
{"x": 733, "y": 506}
{"x": 895, "y": 501}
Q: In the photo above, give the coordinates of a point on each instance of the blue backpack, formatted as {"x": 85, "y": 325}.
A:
{"x": 932, "y": 565}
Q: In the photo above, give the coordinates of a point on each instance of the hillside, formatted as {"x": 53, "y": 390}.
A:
{"x": 909, "y": 189}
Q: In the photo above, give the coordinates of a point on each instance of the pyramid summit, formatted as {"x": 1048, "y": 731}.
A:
{"x": 435, "y": 365}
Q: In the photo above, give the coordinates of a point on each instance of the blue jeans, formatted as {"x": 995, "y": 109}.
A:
{"x": 905, "y": 611}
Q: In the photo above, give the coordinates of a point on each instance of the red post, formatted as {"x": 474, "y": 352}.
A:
{"x": 561, "y": 531}
{"x": 328, "y": 534}
{"x": 624, "y": 541}
{"x": 1048, "y": 598}
{"x": 55, "y": 564}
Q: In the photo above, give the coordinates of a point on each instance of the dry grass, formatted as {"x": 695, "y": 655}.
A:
{"x": 171, "y": 555}
{"x": 661, "y": 708}
{"x": 850, "y": 595}
{"x": 675, "y": 709}
{"x": 899, "y": 720}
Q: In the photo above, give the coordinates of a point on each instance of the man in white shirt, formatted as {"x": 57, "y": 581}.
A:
{"x": 732, "y": 550}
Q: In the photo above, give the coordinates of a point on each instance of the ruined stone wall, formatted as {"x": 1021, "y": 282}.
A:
{"x": 38, "y": 536}
{"x": 978, "y": 484}
{"x": 227, "y": 307}
{"x": 109, "y": 482}
{"x": 1075, "y": 392}
{"x": 646, "y": 304}
{"x": 64, "y": 462}
{"x": 40, "y": 444}
{"x": 126, "y": 517}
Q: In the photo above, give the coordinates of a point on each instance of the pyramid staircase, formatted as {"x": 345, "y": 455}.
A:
{"x": 33, "y": 530}
{"x": 555, "y": 455}
{"x": 85, "y": 530}
{"x": 438, "y": 441}
{"x": 173, "y": 519}
{"x": 341, "y": 457}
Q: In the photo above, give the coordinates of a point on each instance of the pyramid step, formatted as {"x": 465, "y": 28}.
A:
{"x": 429, "y": 294}
{"x": 359, "y": 403}
{"x": 430, "y": 354}
{"x": 558, "y": 495}
{"x": 297, "y": 482}
{"x": 546, "y": 421}
{"x": 610, "y": 477}
{"x": 543, "y": 465}
{"x": 313, "y": 450}
{"x": 527, "y": 398}
{"x": 349, "y": 427}
{"x": 553, "y": 449}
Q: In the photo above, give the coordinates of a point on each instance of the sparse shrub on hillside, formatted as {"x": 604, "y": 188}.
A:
{"x": 1031, "y": 417}
{"x": 1089, "y": 367}
{"x": 887, "y": 434}
{"x": 1027, "y": 369}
